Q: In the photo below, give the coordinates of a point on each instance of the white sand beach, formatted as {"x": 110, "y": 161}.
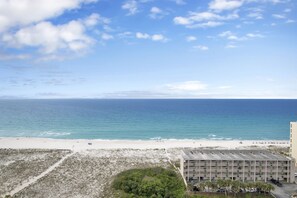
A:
{"x": 84, "y": 144}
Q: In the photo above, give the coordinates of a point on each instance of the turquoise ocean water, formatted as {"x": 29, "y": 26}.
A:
{"x": 148, "y": 119}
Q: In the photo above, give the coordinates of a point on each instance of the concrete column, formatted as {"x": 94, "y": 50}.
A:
{"x": 276, "y": 170}
{"x": 199, "y": 170}
{"x": 254, "y": 170}
{"x": 243, "y": 170}
{"x": 232, "y": 168}
{"x": 221, "y": 169}
{"x": 209, "y": 170}
{"x": 188, "y": 171}
{"x": 266, "y": 172}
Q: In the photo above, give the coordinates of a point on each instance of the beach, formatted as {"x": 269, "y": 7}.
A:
{"x": 84, "y": 144}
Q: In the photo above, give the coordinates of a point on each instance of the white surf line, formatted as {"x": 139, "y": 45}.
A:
{"x": 34, "y": 179}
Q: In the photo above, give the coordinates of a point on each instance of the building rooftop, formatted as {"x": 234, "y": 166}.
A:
{"x": 232, "y": 155}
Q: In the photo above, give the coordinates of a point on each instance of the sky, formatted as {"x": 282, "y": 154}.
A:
{"x": 148, "y": 49}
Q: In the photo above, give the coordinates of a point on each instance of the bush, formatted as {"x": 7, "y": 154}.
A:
{"x": 149, "y": 182}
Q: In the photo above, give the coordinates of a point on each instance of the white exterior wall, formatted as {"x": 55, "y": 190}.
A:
{"x": 293, "y": 140}
{"x": 238, "y": 170}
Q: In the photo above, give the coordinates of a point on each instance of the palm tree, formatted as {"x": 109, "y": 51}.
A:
{"x": 270, "y": 187}
{"x": 223, "y": 184}
{"x": 235, "y": 186}
{"x": 214, "y": 186}
{"x": 228, "y": 185}
{"x": 202, "y": 186}
{"x": 208, "y": 185}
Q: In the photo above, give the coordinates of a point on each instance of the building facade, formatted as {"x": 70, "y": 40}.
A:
{"x": 293, "y": 140}
{"x": 242, "y": 165}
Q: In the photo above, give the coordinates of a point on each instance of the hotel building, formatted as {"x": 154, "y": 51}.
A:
{"x": 293, "y": 140}
{"x": 242, "y": 165}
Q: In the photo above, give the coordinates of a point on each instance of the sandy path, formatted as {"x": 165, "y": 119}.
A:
{"x": 34, "y": 179}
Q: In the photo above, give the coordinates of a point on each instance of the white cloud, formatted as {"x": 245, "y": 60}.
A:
{"x": 220, "y": 5}
{"x": 287, "y": 10}
{"x": 201, "y": 47}
{"x": 203, "y": 16}
{"x": 256, "y": 13}
{"x": 182, "y": 20}
{"x": 49, "y": 38}
{"x": 14, "y": 56}
{"x": 251, "y": 35}
{"x": 290, "y": 21}
{"x": 140, "y": 35}
{"x": 226, "y": 34}
{"x": 154, "y": 37}
{"x": 233, "y": 37}
{"x": 156, "y": 10}
{"x": 191, "y": 38}
{"x": 158, "y": 37}
{"x": 126, "y": 34}
{"x": 203, "y": 19}
{"x": 225, "y": 87}
{"x": 279, "y": 16}
{"x": 180, "y": 2}
{"x": 94, "y": 19}
{"x": 206, "y": 24}
{"x": 19, "y": 13}
{"x": 157, "y": 13}
{"x": 106, "y": 36}
{"x": 187, "y": 86}
{"x": 231, "y": 46}
{"x": 131, "y": 6}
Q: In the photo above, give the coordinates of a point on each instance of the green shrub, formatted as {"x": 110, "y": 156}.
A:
{"x": 150, "y": 182}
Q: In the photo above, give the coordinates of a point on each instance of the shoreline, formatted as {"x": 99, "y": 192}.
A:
{"x": 86, "y": 144}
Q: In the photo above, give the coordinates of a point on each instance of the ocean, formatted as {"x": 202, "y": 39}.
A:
{"x": 217, "y": 119}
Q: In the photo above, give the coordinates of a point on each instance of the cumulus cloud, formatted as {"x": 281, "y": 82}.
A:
{"x": 290, "y": 21}
{"x": 201, "y": 47}
{"x": 191, "y": 38}
{"x": 256, "y": 13}
{"x": 233, "y": 37}
{"x": 220, "y": 5}
{"x": 131, "y": 6}
{"x": 187, "y": 86}
{"x": 140, "y": 35}
{"x": 203, "y": 19}
{"x": 26, "y": 24}
{"x": 49, "y": 38}
{"x": 15, "y": 13}
{"x": 106, "y": 36}
{"x": 231, "y": 46}
{"x": 180, "y": 2}
{"x": 153, "y": 37}
{"x": 4, "y": 56}
{"x": 95, "y": 19}
{"x": 220, "y": 11}
{"x": 225, "y": 87}
{"x": 279, "y": 16}
{"x": 251, "y": 35}
{"x": 158, "y": 37}
{"x": 157, "y": 13}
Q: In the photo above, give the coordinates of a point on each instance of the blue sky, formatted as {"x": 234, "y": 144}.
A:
{"x": 148, "y": 49}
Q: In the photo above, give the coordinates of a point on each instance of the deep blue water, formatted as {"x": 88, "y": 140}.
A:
{"x": 146, "y": 119}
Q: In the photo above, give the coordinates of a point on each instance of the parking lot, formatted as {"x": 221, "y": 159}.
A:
{"x": 285, "y": 191}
